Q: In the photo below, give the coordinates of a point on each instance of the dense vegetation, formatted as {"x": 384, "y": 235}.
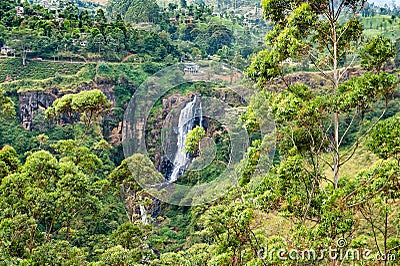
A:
{"x": 70, "y": 33}
{"x": 327, "y": 73}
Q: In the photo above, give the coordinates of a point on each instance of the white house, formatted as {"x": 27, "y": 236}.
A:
{"x": 5, "y": 50}
{"x": 191, "y": 68}
{"x": 83, "y": 43}
{"x": 19, "y": 10}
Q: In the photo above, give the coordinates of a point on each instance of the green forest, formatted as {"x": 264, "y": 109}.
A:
{"x": 199, "y": 133}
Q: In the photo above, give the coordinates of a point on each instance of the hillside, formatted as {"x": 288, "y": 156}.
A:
{"x": 191, "y": 133}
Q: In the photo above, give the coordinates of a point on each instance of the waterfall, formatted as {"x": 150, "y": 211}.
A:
{"x": 200, "y": 114}
{"x": 143, "y": 214}
{"x": 186, "y": 123}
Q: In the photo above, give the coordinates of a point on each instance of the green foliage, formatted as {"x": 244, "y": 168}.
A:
{"x": 264, "y": 67}
{"x": 361, "y": 92}
{"x": 229, "y": 229}
{"x": 89, "y": 106}
{"x": 9, "y": 160}
{"x": 59, "y": 253}
{"x": 384, "y": 141}
{"x": 82, "y": 32}
{"x": 300, "y": 32}
{"x": 381, "y": 25}
{"x": 253, "y": 156}
{"x": 90, "y": 103}
{"x": 133, "y": 11}
{"x": 48, "y": 80}
{"x": 144, "y": 11}
{"x": 55, "y": 193}
{"x": 80, "y": 156}
{"x": 193, "y": 139}
{"x": 117, "y": 255}
{"x": 14, "y": 69}
{"x": 133, "y": 237}
{"x": 63, "y": 201}
{"x": 6, "y": 105}
{"x": 128, "y": 177}
{"x": 151, "y": 68}
{"x": 397, "y": 53}
{"x": 376, "y": 53}
{"x": 15, "y": 231}
{"x": 376, "y": 189}
{"x": 296, "y": 111}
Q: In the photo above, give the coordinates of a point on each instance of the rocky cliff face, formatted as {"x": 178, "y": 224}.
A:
{"x": 32, "y": 103}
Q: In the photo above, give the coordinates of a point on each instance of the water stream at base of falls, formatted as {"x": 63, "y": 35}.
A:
{"x": 143, "y": 212}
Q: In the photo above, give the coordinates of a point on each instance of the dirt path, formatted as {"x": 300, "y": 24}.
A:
{"x": 63, "y": 62}
{"x": 126, "y": 58}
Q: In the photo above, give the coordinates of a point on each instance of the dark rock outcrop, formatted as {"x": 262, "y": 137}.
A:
{"x": 32, "y": 102}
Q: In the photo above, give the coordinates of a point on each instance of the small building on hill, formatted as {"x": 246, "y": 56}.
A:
{"x": 191, "y": 68}
{"x": 5, "y": 50}
{"x": 20, "y": 11}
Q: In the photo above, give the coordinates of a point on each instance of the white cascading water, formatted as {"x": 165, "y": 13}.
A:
{"x": 186, "y": 123}
{"x": 201, "y": 114}
{"x": 143, "y": 212}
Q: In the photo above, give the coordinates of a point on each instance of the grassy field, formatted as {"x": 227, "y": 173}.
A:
{"x": 12, "y": 69}
{"x": 382, "y": 25}
{"x": 69, "y": 82}
{"x": 362, "y": 159}
{"x": 65, "y": 76}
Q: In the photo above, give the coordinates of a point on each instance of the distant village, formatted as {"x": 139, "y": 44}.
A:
{"x": 51, "y": 5}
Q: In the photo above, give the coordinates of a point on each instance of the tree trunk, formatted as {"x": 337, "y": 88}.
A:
{"x": 68, "y": 230}
{"x": 336, "y": 162}
{"x": 24, "y": 58}
{"x": 385, "y": 235}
